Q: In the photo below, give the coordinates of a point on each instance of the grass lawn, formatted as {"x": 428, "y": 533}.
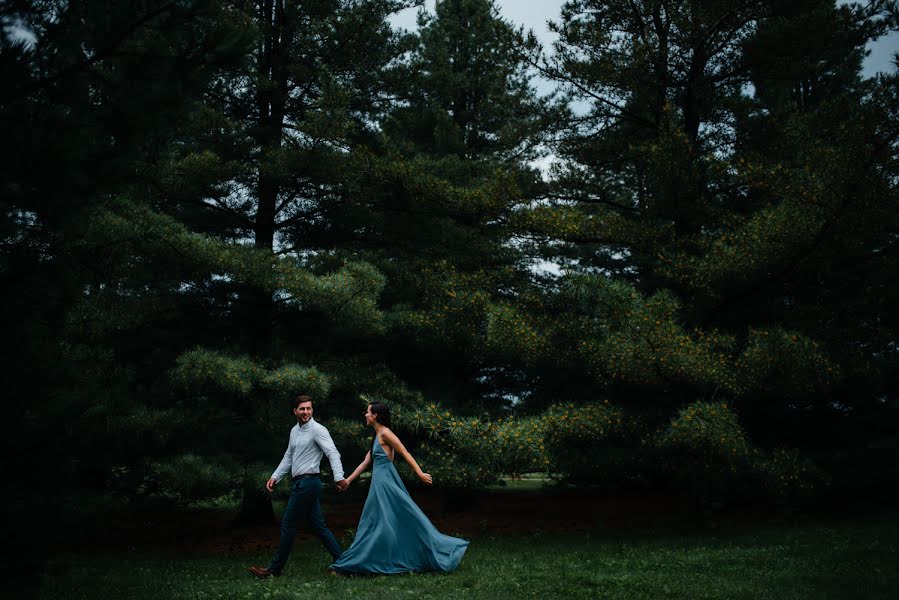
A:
{"x": 854, "y": 558}
{"x": 526, "y": 481}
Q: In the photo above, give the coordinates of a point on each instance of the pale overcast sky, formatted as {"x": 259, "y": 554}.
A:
{"x": 534, "y": 14}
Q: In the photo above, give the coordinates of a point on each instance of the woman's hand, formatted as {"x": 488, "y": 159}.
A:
{"x": 425, "y": 478}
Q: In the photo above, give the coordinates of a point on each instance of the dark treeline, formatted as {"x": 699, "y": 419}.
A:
{"x": 209, "y": 206}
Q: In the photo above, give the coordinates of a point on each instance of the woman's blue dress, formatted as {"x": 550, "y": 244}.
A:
{"x": 394, "y": 535}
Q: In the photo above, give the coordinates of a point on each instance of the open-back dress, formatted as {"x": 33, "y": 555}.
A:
{"x": 394, "y": 535}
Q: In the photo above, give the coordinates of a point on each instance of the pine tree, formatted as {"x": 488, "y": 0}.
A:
{"x": 436, "y": 195}
{"x": 713, "y": 198}
{"x": 90, "y": 90}
{"x": 265, "y": 162}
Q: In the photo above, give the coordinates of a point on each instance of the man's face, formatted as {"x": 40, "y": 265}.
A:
{"x": 303, "y": 412}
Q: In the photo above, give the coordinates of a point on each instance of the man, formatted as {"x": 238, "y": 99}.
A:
{"x": 308, "y": 441}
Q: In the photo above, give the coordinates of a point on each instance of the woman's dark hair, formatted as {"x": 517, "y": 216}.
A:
{"x": 381, "y": 413}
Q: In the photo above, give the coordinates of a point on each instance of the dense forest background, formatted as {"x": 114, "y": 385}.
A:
{"x": 210, "y": 206}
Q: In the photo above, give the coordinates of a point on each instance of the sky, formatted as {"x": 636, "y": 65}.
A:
{"x": 534, "y": 14}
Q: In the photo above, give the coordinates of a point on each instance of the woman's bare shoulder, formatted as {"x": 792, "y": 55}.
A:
{"x": 388, "y": 436}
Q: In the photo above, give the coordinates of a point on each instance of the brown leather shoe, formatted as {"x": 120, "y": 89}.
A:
{"x": 261, "y": 572}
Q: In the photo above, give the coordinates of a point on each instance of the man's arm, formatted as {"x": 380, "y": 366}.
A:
{"x": 324, "y": 441}
{"x": 283, "y": 467}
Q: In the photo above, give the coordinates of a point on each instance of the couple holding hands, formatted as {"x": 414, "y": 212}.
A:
{"x": 393, "y": 536}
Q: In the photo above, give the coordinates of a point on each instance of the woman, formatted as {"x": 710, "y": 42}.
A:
{"x": 394, "y": 536}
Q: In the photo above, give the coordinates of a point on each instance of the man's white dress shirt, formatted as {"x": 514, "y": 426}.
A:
{"x": 308, "y": 442}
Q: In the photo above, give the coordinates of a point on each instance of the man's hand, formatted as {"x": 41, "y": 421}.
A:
{"x": 342, "y": 485}
{"x": 270, "y": 485}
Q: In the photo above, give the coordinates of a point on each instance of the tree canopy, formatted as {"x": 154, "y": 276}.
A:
{"x": 210, "y": 206}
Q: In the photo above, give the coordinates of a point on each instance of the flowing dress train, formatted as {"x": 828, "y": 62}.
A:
{"x": 394, "y": 535}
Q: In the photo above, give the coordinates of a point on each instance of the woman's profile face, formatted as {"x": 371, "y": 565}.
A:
{"x": 370, "y": 417}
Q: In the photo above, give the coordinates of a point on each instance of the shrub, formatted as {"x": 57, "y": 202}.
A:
{"x": 705, "y": 452}
{"x": 592, "y": 443}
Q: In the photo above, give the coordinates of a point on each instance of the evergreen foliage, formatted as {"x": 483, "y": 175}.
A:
{"x": 209, "y": 207}
{"x": 714, "y": 209}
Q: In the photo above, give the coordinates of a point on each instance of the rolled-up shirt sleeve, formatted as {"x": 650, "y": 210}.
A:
{"x": 324, "y": 441}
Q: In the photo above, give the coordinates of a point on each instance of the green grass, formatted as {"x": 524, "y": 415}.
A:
{"x": 525, "y": 482}
{"x": 820, "y": 560}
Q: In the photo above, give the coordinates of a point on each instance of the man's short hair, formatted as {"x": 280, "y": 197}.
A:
{"x": 299, "y": 400}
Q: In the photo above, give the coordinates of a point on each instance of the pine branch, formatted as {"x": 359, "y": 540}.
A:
{"x": 105, "y": 53}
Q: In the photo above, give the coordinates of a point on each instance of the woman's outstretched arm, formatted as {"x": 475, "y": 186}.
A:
{"x": 395, "y": 443}
{"x": 362, "y": 466}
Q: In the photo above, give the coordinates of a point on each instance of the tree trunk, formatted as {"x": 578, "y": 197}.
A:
{"x": 271, "y": 104}
{"x": 255, "y": 507}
